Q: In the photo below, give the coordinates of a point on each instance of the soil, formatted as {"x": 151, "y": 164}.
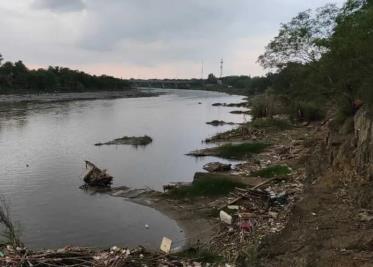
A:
{"x": 332, "y": 225}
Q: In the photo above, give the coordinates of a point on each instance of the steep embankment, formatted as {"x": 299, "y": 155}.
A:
{"x": 333, "y": 224}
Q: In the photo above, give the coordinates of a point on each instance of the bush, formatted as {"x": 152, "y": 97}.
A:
{"x": 306, "y": 111}
{"x": 240, "y": 151}
{"x": 267, "y": 123}
{"x": 272, "y": 171}
{"x": 214, "y": 186}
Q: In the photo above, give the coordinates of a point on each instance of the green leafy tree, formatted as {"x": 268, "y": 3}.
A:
{"x": 302, "y": 40}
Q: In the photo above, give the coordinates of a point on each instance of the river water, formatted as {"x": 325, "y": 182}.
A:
{"x": 43, "y": 147}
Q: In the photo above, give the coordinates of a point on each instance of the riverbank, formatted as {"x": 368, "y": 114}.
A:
{"x": 60, "y": 97}
{"x": 255, "y": 219}
{"x": 198, "y": 214}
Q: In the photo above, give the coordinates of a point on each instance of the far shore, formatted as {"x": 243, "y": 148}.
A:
{"x": 70, "y": 96}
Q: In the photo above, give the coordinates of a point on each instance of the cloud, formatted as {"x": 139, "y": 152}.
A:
{"x": 144, "y": 38}
{"x": 59, "y": 5}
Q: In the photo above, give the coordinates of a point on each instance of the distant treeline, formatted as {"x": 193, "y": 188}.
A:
{"x": 17, "y": 78}
{"x": 244, "y": 85}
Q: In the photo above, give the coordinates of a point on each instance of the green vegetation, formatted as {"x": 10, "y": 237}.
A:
{"x": 271, "y": 124}
{"x": 322, "y": 58}
{"x": 272, "y": 171}
{"x": 214, "y": 186}
{"x": 240, "y": 151}
{"x": 17, "y": 78}
{"x": 201, "y": 255}
{"x": 9, "y": 234}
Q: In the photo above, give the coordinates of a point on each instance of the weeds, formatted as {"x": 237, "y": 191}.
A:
{"x": 201, "y": 255}
{"x": 9, "y": 233}
{"x": 272, "y": 171}
{"x": 268, "y": 123}
{"x": 214, "y": 186}
{"x": 240, "y": 151}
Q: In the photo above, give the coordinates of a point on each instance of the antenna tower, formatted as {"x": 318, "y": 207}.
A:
{"x": 221, "y": 68}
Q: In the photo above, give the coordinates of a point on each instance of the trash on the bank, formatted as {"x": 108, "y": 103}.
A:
{"x": 166, "y": 245}
{"x": 233, "y": 207}
{"x": 147, "y": 226}
{"x": 281, "y": 198}
{"x": 273, "y": 214}
{"x": 247, "y": 226}
{"x": 225, "y": 217}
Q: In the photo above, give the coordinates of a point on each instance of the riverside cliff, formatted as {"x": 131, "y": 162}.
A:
{"x": 333, "y": 224}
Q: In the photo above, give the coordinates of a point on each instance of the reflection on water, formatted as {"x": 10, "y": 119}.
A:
{"x": 43, "y": 147}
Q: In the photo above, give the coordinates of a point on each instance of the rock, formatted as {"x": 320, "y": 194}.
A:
{"x": 217, "y": 167}
{"x": 273, "y": 214}
{"x": 365, "y": 217}
{"x": 225, "y": 217}
{"x": 219, "y": 123}
{"x": 240, "y": 112}
{"x": 129, "y": 140}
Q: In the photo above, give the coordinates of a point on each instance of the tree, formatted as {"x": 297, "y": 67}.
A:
{"x": 1, "y": 59}
{"x": 302, "y": 40}
{"x": 211, "y": 78}
{"x": 350, "y": 57}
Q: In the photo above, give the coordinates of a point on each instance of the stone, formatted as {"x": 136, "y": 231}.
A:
{"x": 225, "y": 217}
{"x": 217, "y": 167}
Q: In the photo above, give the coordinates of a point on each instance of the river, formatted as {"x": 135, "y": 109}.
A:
{"x": 43, "y": 147}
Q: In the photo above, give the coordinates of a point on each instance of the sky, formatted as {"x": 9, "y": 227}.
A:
{"x": 144, "y": 38}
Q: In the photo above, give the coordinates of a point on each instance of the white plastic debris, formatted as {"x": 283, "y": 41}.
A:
{"x": 166, "y": 245}
{"x": 225, "y": 217}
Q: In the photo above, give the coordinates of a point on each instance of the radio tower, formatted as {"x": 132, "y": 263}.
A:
{"x": 221, "y": 68}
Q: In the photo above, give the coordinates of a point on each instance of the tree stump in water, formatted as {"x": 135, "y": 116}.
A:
{"x": 95, "y": 176}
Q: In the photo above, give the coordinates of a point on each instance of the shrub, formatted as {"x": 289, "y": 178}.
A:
{"x": 272, "y": 171}
{"x": 240, "y": 151}
{"x": 306, "y": 111}
{"x": 267, "y": 123}
{"x": 214, "y": 186}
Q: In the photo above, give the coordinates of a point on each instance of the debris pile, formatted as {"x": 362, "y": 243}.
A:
{"x": 85, "y": 257}
{"x": 252, "y": 213}
{"x": 96, "y": 176}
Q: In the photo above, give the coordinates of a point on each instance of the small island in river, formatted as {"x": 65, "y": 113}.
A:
{"x": 129, "y": 140}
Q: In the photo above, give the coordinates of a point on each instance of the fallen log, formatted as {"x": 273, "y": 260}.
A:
{"x": 96, "y": 177}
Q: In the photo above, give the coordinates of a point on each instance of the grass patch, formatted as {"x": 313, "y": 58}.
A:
{"x": 201, "y": 255}
{"x": 240, "y": 151}
{"x": 214, "y": 186}
{"x": 272, "y": 171}
{"x": 264, "y": 123}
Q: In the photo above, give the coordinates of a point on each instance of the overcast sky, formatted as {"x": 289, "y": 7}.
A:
{"x": 144, "y": 38}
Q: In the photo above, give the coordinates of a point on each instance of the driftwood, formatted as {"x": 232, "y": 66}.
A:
{"x": 95, "y": 176}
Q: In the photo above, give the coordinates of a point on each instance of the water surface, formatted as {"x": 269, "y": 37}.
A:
{"x": 43, "y": 147}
